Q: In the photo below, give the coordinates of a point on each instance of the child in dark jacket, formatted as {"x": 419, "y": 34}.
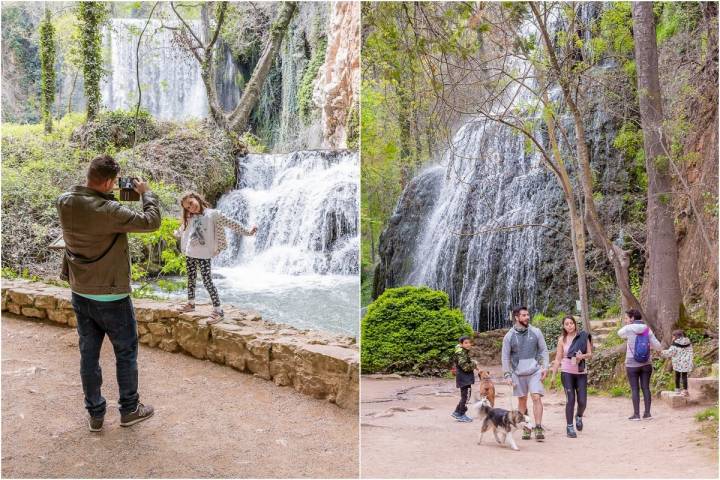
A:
{"x": 464, "y": 377}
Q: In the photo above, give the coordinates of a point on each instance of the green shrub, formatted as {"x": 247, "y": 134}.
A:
{"x": 116, "y": 130}
{"x": 410, "y": 329}
{"x": 619, "y": 391}
{"x": 710, "y": 413}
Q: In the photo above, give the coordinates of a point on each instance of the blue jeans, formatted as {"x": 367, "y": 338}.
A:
{"x": 117, "y": 320}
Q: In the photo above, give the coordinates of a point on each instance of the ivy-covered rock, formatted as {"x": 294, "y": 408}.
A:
{"x": 411, "y": 329}
{"x": 116, "y": 129}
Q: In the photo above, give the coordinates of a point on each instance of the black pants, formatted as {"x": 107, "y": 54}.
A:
{"x": 575, "y": 386}
{"x": 116, "y": 319}
{"x": 204, "y": 264}
{"x": 639, "y": 378}
{"x": 681, "y": 377}
{"x": 464, "y": 397}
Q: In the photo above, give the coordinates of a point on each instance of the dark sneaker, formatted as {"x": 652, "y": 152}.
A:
{"x": 539, "y": 433}
{"x": 526, "y": 433}
{"x": 634, "y": 418}
{"x": 647, "y": 416}
{"x": 571, "y": 432}
{"x": 464, "y": 419}
{"x": 455, "y": 415}
{"x": 141, "y": 413}
{"x": 578, "y": 423}
{"x": 95, "y": 424}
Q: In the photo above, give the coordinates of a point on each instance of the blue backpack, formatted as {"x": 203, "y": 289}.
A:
{"x": 641, "y": 354}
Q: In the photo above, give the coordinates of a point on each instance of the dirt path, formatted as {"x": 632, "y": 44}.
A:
{"x": 210, "y": 420}
{"x": 426, "y": 442}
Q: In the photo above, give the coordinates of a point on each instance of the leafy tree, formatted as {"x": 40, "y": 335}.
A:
{"x": 92, "y": 15}
{"x": 47, "y": 69}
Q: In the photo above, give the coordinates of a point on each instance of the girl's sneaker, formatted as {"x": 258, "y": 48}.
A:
{"x": 578, "y": 423}
{"x": 187, "y": 307}
{"x": 685, "y": 393}
{"x": 677, "y": 391}
{"x": 455, "y": 415}
{"x": 571, "y": 432}
{"x": 634, "y": 418}
{"x": 215, "y": 317}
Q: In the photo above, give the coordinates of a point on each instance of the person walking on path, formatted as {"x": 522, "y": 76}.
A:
{"x": 640, "y": 339}
{"x": 573, "y": 348}
{"x": 681, "y": 352}
{"x": 97, "y": 265}
{"x": 525, "y": 360}
{"x": 464, "y": 377}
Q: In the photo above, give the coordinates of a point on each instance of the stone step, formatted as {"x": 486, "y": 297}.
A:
{"x": 675, "y": 400}
{"x": 602, "y": 330}
{"x": 599, "y": 338}
{"x": 703, "y": 388}
{"x": 595, "y": 324}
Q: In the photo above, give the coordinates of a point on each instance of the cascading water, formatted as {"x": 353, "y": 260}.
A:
{"x": 172, "y": 88}
{"x": 302, "y": 266}
{"x": 481, "y": 243}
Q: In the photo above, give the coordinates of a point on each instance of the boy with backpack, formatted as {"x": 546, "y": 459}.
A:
{"x": 464, "y": 368}
{"x": 638, "y": 365}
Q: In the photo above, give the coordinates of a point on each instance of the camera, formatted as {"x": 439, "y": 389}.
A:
{"x": 127, "y": 189}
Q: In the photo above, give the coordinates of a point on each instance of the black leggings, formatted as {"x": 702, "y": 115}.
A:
{"x": 204, "y": 264}
{"x": 575, "y": 386}
{"x": 681, "y": 377}
{"x": 464, "y": 397}
{"x": 639, "y": 377}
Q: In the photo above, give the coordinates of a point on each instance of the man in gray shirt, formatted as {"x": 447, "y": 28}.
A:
{"x": 525, "y": 360}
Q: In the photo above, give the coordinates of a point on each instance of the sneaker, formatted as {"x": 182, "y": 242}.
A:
{"x": 685, "y": 393}
{"x": 677, "y": 391}
{"x": 141, "y": 413}
{"x": 465, "y": 419}
{"x": 539, "y": 433}
{"x": 215, "y": 317}
{"x": 455, "y": 415}
{"x": 647, "y": 416}
{"x": 526, "y": 433}
{"x": 95, "y": 423}
{"x": 578, "y": 423}
{"x": 634, "y": 418}
{"x": 571, "y": 432}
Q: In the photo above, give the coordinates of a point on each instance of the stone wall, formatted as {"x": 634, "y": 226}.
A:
{"x": 318, "y": 364}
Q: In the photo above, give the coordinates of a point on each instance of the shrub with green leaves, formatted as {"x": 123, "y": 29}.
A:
{"x": 116, "y": 130}
{"x": 410, "y": 329}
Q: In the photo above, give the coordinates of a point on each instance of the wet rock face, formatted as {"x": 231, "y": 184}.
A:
{"x": 398, "y": 241}
{"x": 322, "y": 365}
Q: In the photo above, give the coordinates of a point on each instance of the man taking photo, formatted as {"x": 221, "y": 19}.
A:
{"x": 97, "y": 265}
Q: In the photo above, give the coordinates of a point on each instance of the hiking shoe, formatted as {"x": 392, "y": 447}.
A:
{"x": 465, "y": 419}
{"x": 578, "y": 423}
{"x": 95, "y": 423}
{"x": 455, "y": 415}
{"x": 141, "y": 413}
{"x": 526, "y": 433}
{"x": 571, "y": 432}
{"x": 634, "y": 418}
{"x": 539, "y": 433}
{"x": 647, "y": 416}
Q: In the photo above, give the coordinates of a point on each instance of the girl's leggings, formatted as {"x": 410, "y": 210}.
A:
{"x": 575, "y": 386}
{"x": 681, "y": 378}
{"x": 639, "y": 378}
{"x": 204, "y": 264}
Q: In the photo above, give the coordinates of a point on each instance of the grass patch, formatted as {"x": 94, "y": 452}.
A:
{"x": 710, "y": 413}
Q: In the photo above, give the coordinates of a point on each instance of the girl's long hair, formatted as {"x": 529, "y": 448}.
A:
{"x": 563, "y": 326}
{"x": 201, "y": 201}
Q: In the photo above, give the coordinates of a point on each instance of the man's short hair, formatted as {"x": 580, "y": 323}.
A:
{"x": 516, "y": 311}
{"x": 102, "y": 168}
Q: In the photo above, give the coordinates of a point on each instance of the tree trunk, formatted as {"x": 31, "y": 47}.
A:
{"x": 239, "y": 118}
{"x": 618, "y": 257}
{"x": 662, "y": 307}
{"x": 72, "y": 92}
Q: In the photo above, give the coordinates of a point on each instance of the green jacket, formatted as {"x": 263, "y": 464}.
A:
{"x": 95, "y": 228}
{"x": 463, "y": 360}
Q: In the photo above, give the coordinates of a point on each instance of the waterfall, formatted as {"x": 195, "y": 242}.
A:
{"x": 305, "y": 206}
{"x": 172, "y": 88}
{"x": 469, "y": 245}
